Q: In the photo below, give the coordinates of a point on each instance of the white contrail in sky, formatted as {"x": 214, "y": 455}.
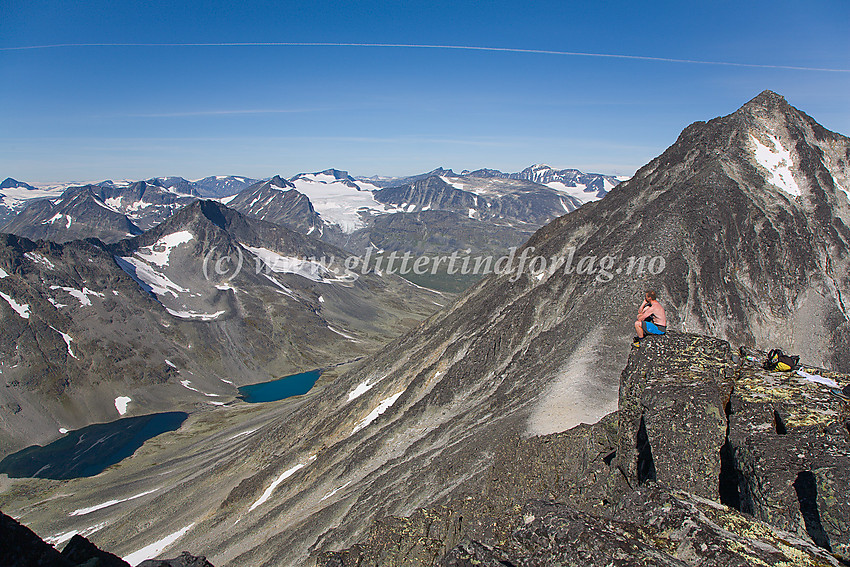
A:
{"x": 427, "y": 46}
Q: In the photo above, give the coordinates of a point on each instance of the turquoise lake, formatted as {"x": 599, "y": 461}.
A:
{"x": 90, "y": 450}
{"x": 279, "y": 389}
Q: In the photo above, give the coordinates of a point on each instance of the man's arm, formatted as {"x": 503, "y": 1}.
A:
{"x": 648, "y": 312}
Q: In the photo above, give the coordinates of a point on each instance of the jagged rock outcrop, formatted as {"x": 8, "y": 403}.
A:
{"x": 649, "y": 485}
{"x": 186, "y": 559}
{"x": 80, "y": 551}
{"x": 21, "y": 547}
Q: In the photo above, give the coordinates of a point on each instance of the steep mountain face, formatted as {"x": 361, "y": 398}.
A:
{"x": 79, "y": 213}
{"x": 533, "y": 351}
{"x": 713, "y": 224}
{"x": 277, "y": 201}
{"x": 183, "y": 314}
{"x": 219, "y": 186}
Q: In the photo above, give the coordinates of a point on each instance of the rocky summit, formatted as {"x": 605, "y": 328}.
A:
{"x": 698, "y": 467}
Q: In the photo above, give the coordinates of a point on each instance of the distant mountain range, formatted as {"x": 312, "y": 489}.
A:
{"x": 439, "y": 212}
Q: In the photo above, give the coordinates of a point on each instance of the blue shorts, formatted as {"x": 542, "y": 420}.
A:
{"x": 652, "y": 328}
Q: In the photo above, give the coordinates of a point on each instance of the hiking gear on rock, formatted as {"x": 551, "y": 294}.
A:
{"x": 778, "y": 361}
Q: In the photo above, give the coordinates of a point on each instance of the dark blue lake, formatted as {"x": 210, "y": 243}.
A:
{"x": 90, "y": 450}
{"x": 279, "y": 389}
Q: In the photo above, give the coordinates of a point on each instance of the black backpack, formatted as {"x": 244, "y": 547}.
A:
{"x": 781, "y": 362}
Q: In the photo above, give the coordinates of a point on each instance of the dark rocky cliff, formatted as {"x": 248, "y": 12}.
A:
{"x": 694, "y": 469}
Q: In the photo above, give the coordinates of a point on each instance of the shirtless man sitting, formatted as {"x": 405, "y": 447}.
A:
{"x": 651, "y": 319}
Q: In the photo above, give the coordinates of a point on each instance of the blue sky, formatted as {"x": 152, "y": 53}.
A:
{"x": 85, "y": 113}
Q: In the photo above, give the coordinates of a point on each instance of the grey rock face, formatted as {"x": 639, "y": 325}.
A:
{"x": 672, "y": 417}
{"x": 279, "y": 202}
{"x": 790, "y": 453}
{"x": 576, "y": 498}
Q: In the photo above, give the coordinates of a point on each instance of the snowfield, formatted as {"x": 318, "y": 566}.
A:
{"x": 778, "y": 163}
{"x": 337, "y": 202}
{"x": 159, "y": 252}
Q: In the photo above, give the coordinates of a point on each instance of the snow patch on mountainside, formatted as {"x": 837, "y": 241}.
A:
{"x": 39, "y": 259}
{"x": 22, "y": 309}
{"x": 309, "y": 269}
{"x": 778, "y": 163}
{"x": 67, "y": 338}
{"x": 121, "y": 405}
{"x": 157, "y": 547}
{"x": 157, "y": 283}
{"x": 579, "y": 190}
{"x": 159, "y": 252}
{"x": 108, "y": 503}
{"x": 195, "y": 314}
{"x": 79, "y": 295}
{"x": 69, "y": 220}
{"x": 286, "y": 474}
{"x": 373, "y": 415}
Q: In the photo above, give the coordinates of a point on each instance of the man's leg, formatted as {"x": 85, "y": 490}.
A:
{"x": 639, "y": 329}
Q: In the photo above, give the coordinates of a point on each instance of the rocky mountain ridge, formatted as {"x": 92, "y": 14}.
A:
{"x": 694, "y": 469}
{"x": 330, "y": 204}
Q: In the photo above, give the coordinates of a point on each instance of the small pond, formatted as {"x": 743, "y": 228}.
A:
{"x": 293, "y": 385}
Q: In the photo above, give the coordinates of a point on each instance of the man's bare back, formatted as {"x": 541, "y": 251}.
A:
{"x": 654, "y": 312}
